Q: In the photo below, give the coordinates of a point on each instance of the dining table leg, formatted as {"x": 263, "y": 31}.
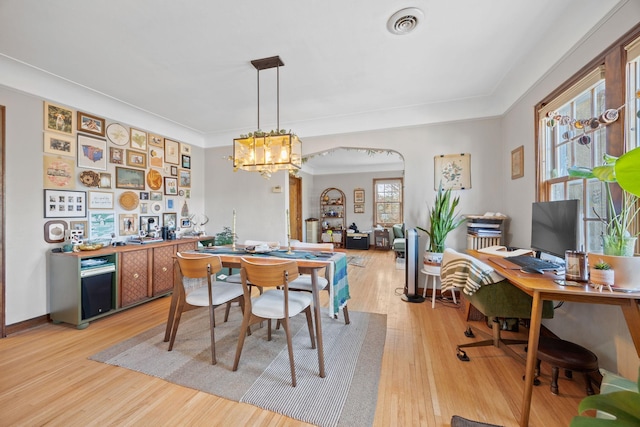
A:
{"x": 316, "y": 309}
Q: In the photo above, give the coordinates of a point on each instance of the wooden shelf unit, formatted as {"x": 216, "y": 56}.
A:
{"x": 333, "y": 217}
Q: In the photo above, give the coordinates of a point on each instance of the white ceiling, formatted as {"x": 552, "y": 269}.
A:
{"x": 189, "y": 61}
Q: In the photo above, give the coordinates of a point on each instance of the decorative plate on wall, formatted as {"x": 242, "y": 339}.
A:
{"x": 118, "y": 134}
{"x": 156, "y": 207}
{"x": 154, "y": 179}
{"x": 129, "y": 200}
{"x": 90, "y": 178}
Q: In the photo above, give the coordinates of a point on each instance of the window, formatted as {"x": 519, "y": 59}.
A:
{"x": 387, "y": 199}
{"x": 566, "y": 137}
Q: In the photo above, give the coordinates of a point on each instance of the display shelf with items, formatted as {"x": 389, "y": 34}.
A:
{"x": 332, "y": 217}
{"x": 485, "y": 230}
{"x": 381, "y": 238}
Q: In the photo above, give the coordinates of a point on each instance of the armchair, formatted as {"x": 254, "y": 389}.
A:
{"x": 398, "y": 244}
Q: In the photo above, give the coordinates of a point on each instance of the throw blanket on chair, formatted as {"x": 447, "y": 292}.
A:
{"x": 463, "y": 271}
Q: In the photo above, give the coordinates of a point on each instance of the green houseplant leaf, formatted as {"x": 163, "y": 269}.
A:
{"x": 442, "y": 219}
{"x": 627, "y": 169}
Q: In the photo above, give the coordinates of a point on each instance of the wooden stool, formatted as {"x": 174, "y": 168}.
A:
{"x": 569, "y": 356}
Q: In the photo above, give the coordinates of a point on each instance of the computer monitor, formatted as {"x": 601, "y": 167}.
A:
{"x": 555, "y": 227}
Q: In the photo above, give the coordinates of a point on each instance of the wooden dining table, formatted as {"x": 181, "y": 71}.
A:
{"x": 309, "y": 262}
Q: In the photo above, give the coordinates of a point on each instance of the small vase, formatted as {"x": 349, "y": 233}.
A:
{"x": 614, "y": 245}
{"x": 601, "y": 277}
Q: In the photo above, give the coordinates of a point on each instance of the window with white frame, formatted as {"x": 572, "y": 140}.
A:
{"x": 387, "y": 199}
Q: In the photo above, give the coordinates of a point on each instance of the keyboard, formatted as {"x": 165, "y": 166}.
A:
{"x": 531, "y": 262}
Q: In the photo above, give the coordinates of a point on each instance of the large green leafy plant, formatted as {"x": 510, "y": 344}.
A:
{"x": 442, "y": 219}
{"x": 624, "y": 170}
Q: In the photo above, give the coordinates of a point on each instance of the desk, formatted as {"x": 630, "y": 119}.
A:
{"x": 543, "y": 288}
{"x": 310, "y": 264}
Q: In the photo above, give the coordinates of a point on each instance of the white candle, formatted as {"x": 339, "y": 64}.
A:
{"x": 288, "y": 224}
{"x": 233, "y": 231}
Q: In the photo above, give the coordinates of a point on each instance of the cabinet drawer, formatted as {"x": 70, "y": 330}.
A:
{"x": 134, "y": 277}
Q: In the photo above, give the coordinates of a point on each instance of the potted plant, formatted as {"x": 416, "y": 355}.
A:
{"x": 442, "y": 220}
{"x": 601, "y": 274}
{"x": 617, "y": 239}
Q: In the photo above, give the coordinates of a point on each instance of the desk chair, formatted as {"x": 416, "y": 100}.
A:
{"x": 273, "y": 303}
{"x": 200, "y": 291}
{"x": 491, "y": 294}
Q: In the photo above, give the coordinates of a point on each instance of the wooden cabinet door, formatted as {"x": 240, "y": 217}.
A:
{"x": 134, "y": 277}
{"x": 163, "y": 269}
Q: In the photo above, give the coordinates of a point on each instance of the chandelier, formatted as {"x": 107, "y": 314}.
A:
{"x": 268, "y": 152}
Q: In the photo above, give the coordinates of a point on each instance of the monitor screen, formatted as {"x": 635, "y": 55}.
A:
{"x": 555, "y": 227}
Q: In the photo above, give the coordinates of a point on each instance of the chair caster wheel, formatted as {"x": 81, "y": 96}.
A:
{"x": 462, "y": 355}
{"x": 469, "y": 333}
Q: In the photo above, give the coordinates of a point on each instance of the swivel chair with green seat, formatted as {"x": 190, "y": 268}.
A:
{"x": 491, "y": 294}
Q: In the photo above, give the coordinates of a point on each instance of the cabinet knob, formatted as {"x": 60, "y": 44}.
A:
{"x": 136, "y": 275}
{"x": 164, "y": 268}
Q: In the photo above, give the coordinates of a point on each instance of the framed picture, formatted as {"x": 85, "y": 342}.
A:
{"x": 136, "y": 159}
{"x": 118, "y": 134}
{"x": 102, "y": 225}
{"x": 100, "y": 200}
{"x": 517, "y": 163}
{"x": 81, "y": 226}
{"x": 358, "y": 208}
{"x": 156, "y": 196}
{"x": 54, "y": 231}
{"x": 144, "y": 208}
{"x": 144, "y": 195}
{"x": 156, "y": 207}
{"x": 57, "y": 143}
{"x": 105, "y": 180}
{"x": 116, "y": 155}
{"x": 170, "y": 203}
{"x": 171, "y": 152}
{"x": 65, "y": 204}
{"x": 156, "y": 157}
{"x": 131, "y": 179}
{"x": 155, "y": 140}
{"x": 138, "y": 139}
{"x": 174, "y": 171}
{"x": 128, "y": 224}
{"x": 58, "y": 172}
{"x": 170, "y": 186}
{"x": 92, "y": 152}
{"x": 185, "y": 178}
{"x": 169, "y": 219}
{"x": 185, "y": 149}
{"x": 358, "y": 195}
{"x": 453, "y": 171}
{"x": 149, "y": 223}
{"x": 59, "y": 119}
{"x": 90, "y": 124}
{"x": 185, "y": 223}
{"x": 186, "y": 161}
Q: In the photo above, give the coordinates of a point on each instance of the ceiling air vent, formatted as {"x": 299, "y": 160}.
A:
{"x": 404, "y": 21}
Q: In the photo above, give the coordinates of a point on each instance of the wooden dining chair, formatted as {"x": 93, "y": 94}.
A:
{"x": 275, "y": 302}
{"x": 193, "y": 285}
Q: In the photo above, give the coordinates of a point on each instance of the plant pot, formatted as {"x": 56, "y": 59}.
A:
{"x": 615, "y": 245}
{"x": 601, "y": 277}
{"x": 432, "y": 258}
{"x": 626, "y": 268}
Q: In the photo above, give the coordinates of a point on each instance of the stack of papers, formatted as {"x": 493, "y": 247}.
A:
{"x": 502, "y": 251}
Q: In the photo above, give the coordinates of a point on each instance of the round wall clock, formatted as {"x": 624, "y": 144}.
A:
{"x": 118, "y": 134}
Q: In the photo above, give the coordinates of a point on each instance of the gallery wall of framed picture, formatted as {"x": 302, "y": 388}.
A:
{"x": 90, "y": 163}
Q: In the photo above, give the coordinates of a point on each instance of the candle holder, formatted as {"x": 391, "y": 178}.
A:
{"x": 233, "y": 244}
{"x": 289, "y": 251}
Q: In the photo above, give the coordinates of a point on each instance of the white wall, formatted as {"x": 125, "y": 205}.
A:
{"x": 597, "y": 327}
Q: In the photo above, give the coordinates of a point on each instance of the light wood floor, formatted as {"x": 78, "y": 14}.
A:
{"x": 46, "y": 378}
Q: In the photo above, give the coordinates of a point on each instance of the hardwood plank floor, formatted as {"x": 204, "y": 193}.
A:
{"x": 47, "y": 379}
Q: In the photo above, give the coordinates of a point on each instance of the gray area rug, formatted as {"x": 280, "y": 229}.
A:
{"x": 347, "y": 396}
{"x": 356, "y": 260}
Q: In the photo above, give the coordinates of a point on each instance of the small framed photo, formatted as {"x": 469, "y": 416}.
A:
{"x": 100, "y": 200}
{"x": 170, "y": 203}
{"x": 57, "y": 143}
{"x": 116, "y": 155}
{"x": 65, "y": 204}
{"x": 149, "y": 223}
{"x": 358, "y": 208}
{"x": 144, "y": 208}
{"x": 185, "y": 178}
{"x": 80, "y": 226}
{"x": 517, "y": 163}
{"x": 59, "y": 119}
{"x": 156, "y": 157}
{"x": 174, "y": 171}
{"x": 156, "y": 196}
{"x": 128, "y": 224}
{"x": 105, "y": 180}
{"x": 92, "y": 152}
{"x": 136, "y": 159}
{"x": 185, "y": 149}
{"x": 138, "y": 139}
{"x": 186, "y": 161}
{"x": 155, "y": 140}
{"x": 170, "y": 186}
{"x": 169, "y": 219}
{"x": 171, "y": 152}
{"x": 54, "y": 231}
{"x": 90, "y": 124}
{"x": 185, "y": 223}
{"x": 358, "y": 195}
{"x": 130, "y": 179}
{"x": 144, "y": 195}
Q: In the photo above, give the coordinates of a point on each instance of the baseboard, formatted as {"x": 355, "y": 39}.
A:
{"x": 26, "y": 324}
